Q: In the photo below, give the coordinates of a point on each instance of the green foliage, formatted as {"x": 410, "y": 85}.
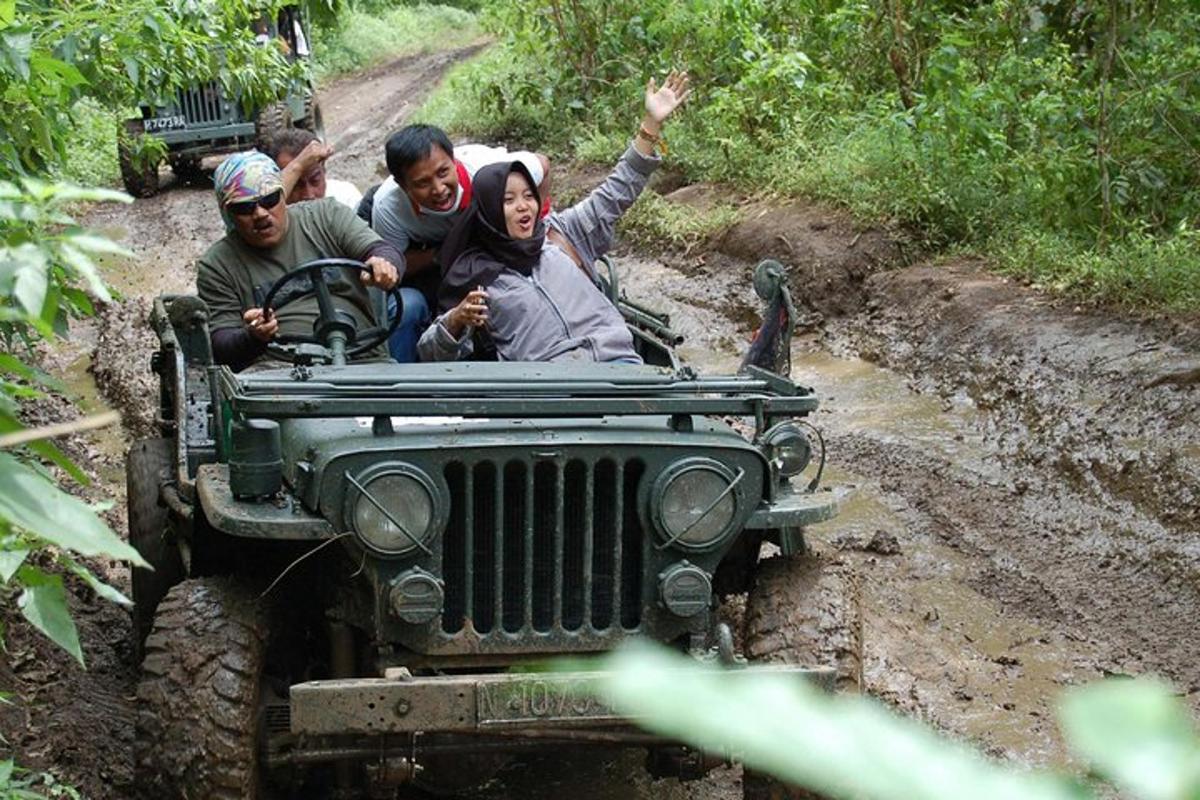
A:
{"x": 91, "y": 152}
{"x": 369, "y": 34}
{"x": 1134, "y": 733}
{"x": 47, "y": 275}
{"x": 659, "y": 223}
{"x": 22, "y": 784}
{"x": 975, "y": 123}
{"x": 61, "y": 66}
{"x": 53, "y": 54}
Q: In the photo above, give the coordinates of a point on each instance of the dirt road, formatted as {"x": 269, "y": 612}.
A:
{"x": 1026, "y": 475}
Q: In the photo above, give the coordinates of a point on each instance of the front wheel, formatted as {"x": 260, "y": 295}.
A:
{"x": 803, "y": 610}
{"x": 198, "y": 724}
{"x": 139, "y": 175}
{"x": 147, "y": 467}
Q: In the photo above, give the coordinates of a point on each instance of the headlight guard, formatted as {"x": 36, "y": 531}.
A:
{"x": 395, "y": 509}
{"x": 696, "y": 503}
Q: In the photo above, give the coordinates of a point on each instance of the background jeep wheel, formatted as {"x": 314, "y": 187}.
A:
{"x": 148, "y": 464}
{"x": 313, "y": 122}
{"x": 270, "y": 121}
{"x": 197, "y": 729}
{"x": 139, "y": 181}
{"x": 803, "y": 610}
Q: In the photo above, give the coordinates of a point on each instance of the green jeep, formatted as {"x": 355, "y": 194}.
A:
{"x": 203, "y": 120}
{"x": 358, "y": 566}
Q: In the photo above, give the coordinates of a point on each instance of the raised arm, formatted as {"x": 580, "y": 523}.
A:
{"x": 589, "y": 225}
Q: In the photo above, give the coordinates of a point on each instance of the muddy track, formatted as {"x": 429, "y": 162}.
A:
{"x": 1036, "y": 463}
{"x": 1023, "y": 475}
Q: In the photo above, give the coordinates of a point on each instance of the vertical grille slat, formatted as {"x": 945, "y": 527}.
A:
{"x": 558, "y": 533}
{"x": 547, "y": 545}
{"x": 630, "y": 568}
{"x": 454, "y": 570}
{"x": 574, "y": 534}
{"x": 201, "y": 105}
{"x": 528, "y": 534}
{"x": 485, "y": 502}
{"x": 589, "y": 541}
{"x": 468, "y": 537}
{"x": 606, "y": 542}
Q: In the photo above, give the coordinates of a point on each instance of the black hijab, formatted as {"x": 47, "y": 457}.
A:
{"x": 478, "y": 247}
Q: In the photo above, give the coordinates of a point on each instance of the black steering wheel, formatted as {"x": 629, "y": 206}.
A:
{"x": 333, "y": 329}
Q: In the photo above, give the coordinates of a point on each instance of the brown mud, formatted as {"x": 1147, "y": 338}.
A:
{"x": 1024, "y": 475}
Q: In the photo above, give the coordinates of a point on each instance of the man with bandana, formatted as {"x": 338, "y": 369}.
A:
{"x": 265, "y": 239}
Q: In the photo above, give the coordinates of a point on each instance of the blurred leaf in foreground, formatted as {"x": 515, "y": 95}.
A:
{"x": 1138, "y": 735}
{"x": 841, "y": 746}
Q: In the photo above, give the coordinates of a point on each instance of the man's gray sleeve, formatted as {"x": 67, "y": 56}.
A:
{"x": 590, "y": 224}
{"x": 385, "y": 217}
{"x": 436, "y": 343}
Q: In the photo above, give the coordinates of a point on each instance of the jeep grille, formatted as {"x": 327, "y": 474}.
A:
{"x": 540, "y": 546}
{"x": 201, "y": 105}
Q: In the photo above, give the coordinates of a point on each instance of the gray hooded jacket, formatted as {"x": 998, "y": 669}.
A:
{"x": 558, "y": 313}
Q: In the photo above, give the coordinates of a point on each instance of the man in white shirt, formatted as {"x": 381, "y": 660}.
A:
{"x": 430, "y": 187}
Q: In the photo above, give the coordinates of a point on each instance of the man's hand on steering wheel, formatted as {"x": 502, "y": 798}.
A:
{"x": 383, "y": 273}
{"x": 262, "y": 328}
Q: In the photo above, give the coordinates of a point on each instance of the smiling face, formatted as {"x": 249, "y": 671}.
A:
{"x": 520, "y": 206}
{"x": 432, "y": 182}
{"x": 263, "y": 227}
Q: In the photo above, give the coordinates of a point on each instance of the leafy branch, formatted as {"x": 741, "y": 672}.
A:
{"x": 1134, "y": 733}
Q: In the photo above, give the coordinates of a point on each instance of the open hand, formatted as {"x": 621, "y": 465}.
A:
{"x": 660, "y": 102}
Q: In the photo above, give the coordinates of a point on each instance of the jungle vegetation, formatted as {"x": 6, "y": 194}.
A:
{"x": 1058, "y": 138}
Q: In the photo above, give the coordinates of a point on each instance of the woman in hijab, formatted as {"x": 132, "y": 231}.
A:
{"x": 531, "y": 281}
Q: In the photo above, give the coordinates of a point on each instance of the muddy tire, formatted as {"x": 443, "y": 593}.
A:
{"x": 270, "y": 121}
{"x": 197, "y": 729}
{"x": 803, "y": 610}
{"x": 139, "y": 180}
{"x": 147, "y": 466}
{"x": 314, "y": 121}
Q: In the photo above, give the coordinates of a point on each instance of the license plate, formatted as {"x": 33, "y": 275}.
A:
{"x": 165, "y": 123}
{"x": 537, "y": 700}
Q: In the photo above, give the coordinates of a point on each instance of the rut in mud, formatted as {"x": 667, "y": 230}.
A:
{"x": 1024, "y": 475}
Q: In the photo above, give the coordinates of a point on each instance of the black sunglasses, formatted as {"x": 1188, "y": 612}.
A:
{"x": 244, "y": 208}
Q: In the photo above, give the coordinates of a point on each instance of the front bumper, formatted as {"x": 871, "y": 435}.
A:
{"x": 496, "y": 703}
{"x": 795, "y": 509}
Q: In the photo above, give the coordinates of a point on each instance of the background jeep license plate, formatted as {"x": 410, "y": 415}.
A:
{"x": 165, "y": 123}
{"x": 538, "y": 699}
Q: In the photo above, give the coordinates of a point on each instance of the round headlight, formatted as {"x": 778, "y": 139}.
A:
{"x": 394, "y": 512}
{"x": 696, "y": 503}
{"x": 788, "y": 448}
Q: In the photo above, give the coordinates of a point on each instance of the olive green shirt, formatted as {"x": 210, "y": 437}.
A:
{"x": 230, "y": 270}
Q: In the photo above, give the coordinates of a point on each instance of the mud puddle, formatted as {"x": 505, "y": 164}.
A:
{"x": 935, "y": 645}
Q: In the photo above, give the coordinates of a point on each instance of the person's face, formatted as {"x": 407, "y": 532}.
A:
{"x": 258, "y": 225}
{"x": 311, "y": 185}
{"x": 433, "y": 181}
{"x": 520, "y": 206}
